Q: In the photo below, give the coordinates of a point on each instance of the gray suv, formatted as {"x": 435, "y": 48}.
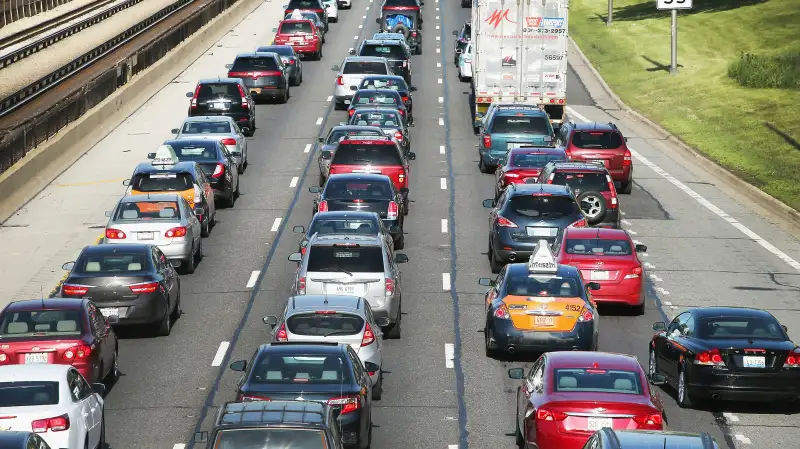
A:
{"x": 354, "y": 265}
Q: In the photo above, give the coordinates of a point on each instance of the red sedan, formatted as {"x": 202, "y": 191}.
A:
{"x": 567, "y": 396}
{"x": 610, "y": 258}
{"x": 66, "y": 331}
{"x": 302, "y": 35}
{"x": 524, "y": 163}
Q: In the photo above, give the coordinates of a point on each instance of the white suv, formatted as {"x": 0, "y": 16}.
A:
{"x": 352, "y": 72}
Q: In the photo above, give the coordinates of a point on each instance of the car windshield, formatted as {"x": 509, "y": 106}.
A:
{"x": 162, "y": 182}
{"x": 555, "y": 286}
{"x": 543, "y": 206}
{"x": 601, "y": 140}
{"x": 41, "y": 323}
{"x": 364, "y": 68}
{"x": 344, "y": 226}
{"x": 218, "y": 90}
{"x": 365, "y": 154}
{"x": 599, "y": 247}
{"x": 110, "y": 264}
{"x": 300, "y": 369}
{"x": 195, "y": 151}
{"x": 148, "y": 210}
{"x": 206, "y": 128}
{"x": 268, "y": 438}
{"x": 520, "y": 124}
{"x": 376, "y": 99}
{"x": 322, "y": 323}
{"x": 246, "y": 64}
{"x": 383, "y": 84}
{"x": 582, "y": 182}
{"x": 363, "y": 259}
{"x": 380, "y": 119}
{"x": 295, "y": 28}
{"x": 363, "y": 190}
{"x": 740, "y": 327}
{"x": 337, "y": 134}
{"x": 535, "y": 160}
{"x": 385, "y": 51}
{"x": 25, "y": 394}
{"x": 280, "y": 50}
{"x": 589, "y": 380}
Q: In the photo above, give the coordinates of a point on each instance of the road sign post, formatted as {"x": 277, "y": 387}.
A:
{"x": 610, "y": 12}
{"x": 673, "y": 6}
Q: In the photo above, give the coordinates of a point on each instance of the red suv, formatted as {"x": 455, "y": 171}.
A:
{"x": 374, "y": 155}
{"x": 592, "y": 186}
{"x": 599, "y": 142}
{"x": 300, "y": 34}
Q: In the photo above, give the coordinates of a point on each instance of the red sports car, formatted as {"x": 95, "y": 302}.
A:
{"x": 567, "y": 396}
{"x": 610, "y": 258}
{"x": 523, "y": 163}
{"x": 66, "y": 331}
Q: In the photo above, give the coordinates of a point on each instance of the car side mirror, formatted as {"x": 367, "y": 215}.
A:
{"x": 785, "y": 329}
{"x": 335, "y": 67}
{"x": 641, "y": 248}
{"x": 488, "y": 203}
{"x": 295, "y": 257}
{"x": 126, "y": 182}
{"x": 245, "y": 129}
{"x": 303, "y": 243}
{"x": 400, "y": 258}
{"x": 352, "y": 52}
{"x": 201, "y": 437}
{"x": 174, "y": 130}
{"x": 239, "y": 365}
{"x": 108, "y": 214}
{"x": 189, "y": 94}
{"x": 274, "y": 30}
{"x": 516, "y": 373}
{"x": 326, "y": 154}
{"x": 477, "y": 123}
{"x": 593, "y": 286}
{"x": 378, "y": 20}
{"x": 479, "y": 115}
{"x": 199, "y": 211}
{"x": 314, "y": 189}
{"x": 99, "y": 389}
{"x": 228, "y": 66}
{"x": 412, "y": 89}
{"x": 371, "y": 367}
{"x": 626, "y": 140}
{"x": 658, "y": 379}
{"x": 394, "y": 229}
{"x": 412, "y": 156}
{"x": 270, "y": 320}
{"x": 321, "y": 139}
{"x": 486, "y": 282}
{"x": 151, "y": 155}
{"x": 455, "y": 33}
{"x": 299, "y": 229}
{"x": 459, "y": 51}
{"x": 659, "y": 326}
{"x": 68, "y": 266}
{"x": 382, "y": 321}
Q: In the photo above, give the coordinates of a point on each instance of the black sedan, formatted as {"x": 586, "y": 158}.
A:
{"x": 732, "y": 353}
{"x": 214, "y": 159}
{"x": 393, "y": 82}
{"x": 341, "y": 222}
{"x": 131, "y": 284}
{"x": 359, "y": 192}
{"x": 385, "y": 98}
{"x": 323, "y": 372}
{"x": 292, "y": 62}
{"x": 22, "y": 440}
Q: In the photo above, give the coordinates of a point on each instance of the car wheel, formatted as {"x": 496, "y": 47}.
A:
{"x": 626, "y": 188}
{"x": 321, "y": 180}
{"x": 377, "y": 390}
{"x": 593, "y": 205}
{"x": 405, "y": 206}
{"x": 419, "y": 45}
{"x": 482, "y": 166}
{"x": 188, "y": 266}
{"x": 495, "y": 264}
{"x": 205, "y": 227}
{"x": 165, "y": 326}
{"x": 684, "y": 396}
{"x": 252, "y": 128}
{"x": 400, "y": 243}
{"x": 213, "y": 221}
{"x": 487, "y": 338}
{"x": 394, "y": 330}
{"x": 652, "y": 365}
{"x": 339, "y": 105}
{"x": 520, "y": 438}
{"x": 178, "y": 310}
{"x": 113, "y": 373}
{"x": 641, "y": 308}
{"x": 198, "y": 255}
{"x": 101, "y": 444}
{"x": 245, "y": 164}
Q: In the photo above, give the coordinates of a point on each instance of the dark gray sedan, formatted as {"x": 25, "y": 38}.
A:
{"x": 331, "y": 141}
{"x": 292, "y": 62}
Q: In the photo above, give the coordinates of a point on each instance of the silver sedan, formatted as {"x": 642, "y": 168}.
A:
{"x": 164, "y": 220}
{"x": 223, "y": 128}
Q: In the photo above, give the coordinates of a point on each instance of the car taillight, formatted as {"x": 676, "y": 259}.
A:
{"x": 405, "y": 99}
{"x": 282, "y": 335}
{"x": 301, "y": 286}
{"x": 504, "y": 222}
{"x": 114, "y": 234}
{"x": 586, "y": 315}
{"x": 144, "y": 287}
{"x": 180, "y": 231}
{"x": 389, "y": 287}
{"x": 613, "y": 191}
{"x": 340, "y": 80}
{"x": 303, "y": 251}
{"x": 198, "y": 195}
{"x": 413, "y": 34}
{"x": 369, "y": 336}
{"x": 502, "y": 312}
{"x": 487, "y": 140}
{"x": 291, "y": 62}
{"x": 651, "y": 420}
{"x": 74, "y": 289}
{"x": 709, "y": 358}
{"x": 244, "y": 97}
{"x": 252, "y": 397}
{"x": 219, "y": 170}
{"x": 228, "y": 142}
{"x": 626, "y": 159}
{"x": 568, "y": 153}
{"x": 401, "y": 178}
{"x": 194, "y": 98}
{"x": 398, "y": 135}
{"x": 351, "y": 112}
{"x": 57, "y": 424}
{"x": 635, "y": 273}
{"x": 550, "y": 415}
{"x": 550, "y": 179}
{"x": 511, "y": 175}
{"x": 323, "y": 206}
{"x": 348, "y": 403}
{"x": 79, "y": 352}
{"x": 391, "y": 214}
{"x": 792, "y": 360}
{"x": 579, "y": 224}
{"x": 402, "y": 112}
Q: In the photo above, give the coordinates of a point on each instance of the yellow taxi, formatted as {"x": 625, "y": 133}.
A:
{"x": 540, "y": 306}
{"x": 166, "y": 174}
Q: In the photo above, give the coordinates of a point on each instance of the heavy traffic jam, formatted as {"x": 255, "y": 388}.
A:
{"x": 554, "y": 246}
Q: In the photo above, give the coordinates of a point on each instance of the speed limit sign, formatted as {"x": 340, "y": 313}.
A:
{"x": 673, "y": 4}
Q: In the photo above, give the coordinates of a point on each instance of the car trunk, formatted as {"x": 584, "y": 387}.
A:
{"x": 41, "y": 350}
{"x": 256, "y": 80}
{"x": 21, "y": 418}
{"x": 379, "y": 206}
{"x": 611, "y": 270}
{"x": 147, "y": 232}
{"x": 600, "y": 146}
{"x": 544, "y": 314}
{"x": 748, "y": 356}
{"x": 107, "y": 288}
{"x": 218, "y": 99}
{"x": 353, "y": 81}
{"x": 306, "y": 391}
{"x": 360, "y": 284}
{"x": 588, "y": 412}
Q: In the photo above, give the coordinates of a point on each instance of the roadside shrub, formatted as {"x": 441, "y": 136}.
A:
{"x": 759, "y": 71}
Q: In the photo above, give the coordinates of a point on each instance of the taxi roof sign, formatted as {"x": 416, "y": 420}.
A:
{"x": 542, "y": 260}
{"x": 165, "y": 155}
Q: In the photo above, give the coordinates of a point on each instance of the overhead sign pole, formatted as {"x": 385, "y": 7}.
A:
{"x": 673, "y": 6}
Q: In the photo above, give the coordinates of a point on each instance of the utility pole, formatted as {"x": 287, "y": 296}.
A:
{"x": 610, "y": 12}
{"x": 673, "y": 6}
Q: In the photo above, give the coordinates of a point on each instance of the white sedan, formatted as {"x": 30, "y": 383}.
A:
{"x": 465, "y": 63}
{"x": 56, "y": 402}
{"x": 332, "y": 8}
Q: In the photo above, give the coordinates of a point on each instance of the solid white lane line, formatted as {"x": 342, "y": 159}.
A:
{"x": 446, "y": 282}
{"x": 253, "y": 278}
{"x": 221, "y": 351}
{"x": 293, "y": 182}
{"x": 441, "y": 149}
{"x": 449, "y": 355}
{"x": 441, "y": 121}
{"x": 443, "y": 183}
{"x": 330, "y": 97}
{"x": 743, "y": 439}
{"x": 440, "y": 81}
{"x": 307, "y": 148}
{"x": 444, "y": 226}
{"x": 441, "y": 99}
{"x": 276, "y": 224}
{"x": 319, "y": 120}
{"x": 730, "y": 417}
{"x": 708, "y": 205}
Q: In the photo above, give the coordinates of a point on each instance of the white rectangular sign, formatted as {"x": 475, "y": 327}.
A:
{"x": 674, "y": 4}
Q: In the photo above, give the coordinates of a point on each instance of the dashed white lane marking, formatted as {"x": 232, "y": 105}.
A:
{"x": 356, "y": 37}
{"x": 441, "y": 121}
{"x": 626, "y": 222}
{"x": 730, "y": 417}
{"x": 655, "y": 278}
{"x": 221, "y": 351}
{"x": 449, "y": 355}
{"x": 623, "y": 213}
{"x": 350, "y": 50}
{"x": 452, "y": 446}
{"x": 253, "y": 278}
{"x": 708, "y": 205}
{"x": 438, "y": 64}
{"x": 438, "y": 50}
{"x": 307, "y": 148}
{"x": 441, "y": 99}
{"x": 649, "y": 265}
{"x": 632, "y": 232}
{"x": 276, "y": 224}
{"x": 666, "y": 303}
{"x": 330, "y": 97}
{"x": 441, "y": 149}
{"x": 742, "y": 439}
{"x": 360, "y": 26}
{"x": 440, "y": 81}
{"x": 645, "y": 255}
{"x": 443, "y": 183}
{"x": 319, "y": 120}
{"x": 438, "y": 38}
{"x": 446, "y": 282}
{"x": 363, "y": 17}
{"x": 293, "y": 182}
{"x": 636, "y": 242}
{"x": 437, "y": 26}
{"x": 183, "y": 446}
{"x": 444, "y": 226}
{"x": 662, "y": 291}
{"x": 437, "y": 17}
{"x": 437, "y": 9}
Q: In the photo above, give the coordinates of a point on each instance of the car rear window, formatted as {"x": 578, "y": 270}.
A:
{"x": 383, "y": 84}
{"x": 281, "y": 50}
{"x": 162, "y": 182}
{"x": 271, "y": 437}
{"x": 364, "y": 68}
{"x": 520, "y": 124}
{"x": 588, "y": 380}
{"x": 217, "y": 90}
{"x": 582, "y": 182}
{"x": 245, "y": 64}
{"x": 602, "y": 140}
{"x": 543, "y": 207}
{"x": 337, "y": 135}
{"x": 295, "y": 28}
{"x": 195, "y": 151}
{"x": 555, "y": 286}
{"x": 599, "y": 247}
{"x": 376, "y": 99}
{"x": 300, "y": 369}
{"x": 303, "y": 4}
{"x": 325, "y": 323}
{"x": 350, "y": 190}
{"x": 24, "y": 394}
{"x": 535, "y": 160}
{"x": 41, "y": 323}
{"x": 344, "y": 226}
{"x": 148, "y": 210}
{"x": 364, "y": 259}
{"x": 385, "y": 51}
{"x": 363, "y": 154}
{"x": 101, "y": 264}
{"x": 740, "y": 328}
{"x": 387, "y": 119}
{"x": 206, "y": 128}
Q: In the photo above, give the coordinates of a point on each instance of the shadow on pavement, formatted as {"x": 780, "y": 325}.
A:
{"x": 647, "y": 9}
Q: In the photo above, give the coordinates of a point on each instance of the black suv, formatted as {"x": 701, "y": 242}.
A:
{"x": 607, "y": 438}
{"x": 278, "y": 423}
{"x": 463, "y": 36}
{"x": 264, "y": 74}
{"x": 224, "y": 96}
{"x": 395, "y": 52}
{"x": 593, "y": 187}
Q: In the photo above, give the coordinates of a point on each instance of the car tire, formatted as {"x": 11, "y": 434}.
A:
{"x": 245, "y": 164}
{"x": 490, "y": 352}
{"x": 494, "y": 264}
{"x": 394, "y": 331}
{"x": 213, "y": 221}
{"x": 641, "y": 308}
{"x": 482, "y": 166}
{"x": 418, "y": 50}
{"x": 400, "y": 243}
{"x": 596, "y": 203}
{"x": 113, "y": 373}
{"x": 178, "y": 310}
{"x": 405, "y": 206}
{"x": 205, "y": 228}
{"x": 321, "y": 180}
{"x": 188, "y": 266}
{"x": 101, "y": 443}
{"x": 684, "y": 395}
{"x": 626, "y": 188}
{"x": 377, "y": 390}
{"x": 652, "y": 363}
{"x": 339, "y": 105}
{"x": 198, "y": 255}
{"x": 252, "y": 129}
{"x": 518, "y": 434}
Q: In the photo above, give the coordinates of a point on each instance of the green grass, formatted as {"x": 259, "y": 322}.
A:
{"x": 702, "y": 104}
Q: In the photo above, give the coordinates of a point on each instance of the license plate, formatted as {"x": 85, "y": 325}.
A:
{"x": 296, "y": 39}
{"x": 36, "y": 358}
{"x": 513, "y": 145}
{"x": 145, "y": 235}
{"x": 110, "y": 312}
{"x": 346, "y": 101}
{"x": 218, "y": 105}
{"x": 342, "y": 289}
{"x": 599, "y": 275}
{"x": 599, "y": 162}
{"x": 257, "y": 90}
{"x": 540, "y": 232}
{"x": 754, "y": 362}
{"x": 599, "y": 423}
{"x": 544, "y": 320}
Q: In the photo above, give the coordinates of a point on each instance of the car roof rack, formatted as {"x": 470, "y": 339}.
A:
{"x": 272, "y": 413}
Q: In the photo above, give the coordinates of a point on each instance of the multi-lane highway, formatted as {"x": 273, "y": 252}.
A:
{"x": 705, "y": 248}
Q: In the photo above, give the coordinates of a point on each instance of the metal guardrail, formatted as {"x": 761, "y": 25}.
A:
{"x": 13, "y": 10}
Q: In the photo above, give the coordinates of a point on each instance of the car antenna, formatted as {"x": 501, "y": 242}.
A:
{"x": 41, "y": 292}
{"x": 326, "y": 299}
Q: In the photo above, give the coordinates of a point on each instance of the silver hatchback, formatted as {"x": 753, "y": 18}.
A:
{"x": 222, "y": 128}
{"x": 335, "y": 319}
{"x": 354, "y": 265}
